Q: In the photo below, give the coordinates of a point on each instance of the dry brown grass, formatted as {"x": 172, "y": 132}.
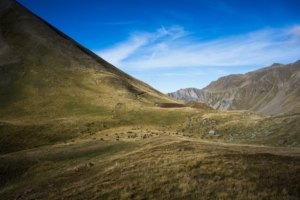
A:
{"x": 162, "y": 167}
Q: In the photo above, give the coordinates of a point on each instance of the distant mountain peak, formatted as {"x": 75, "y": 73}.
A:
{"x": 276, "y": 64}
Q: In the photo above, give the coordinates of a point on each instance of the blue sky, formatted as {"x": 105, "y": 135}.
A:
{"x": 174, "y": 44}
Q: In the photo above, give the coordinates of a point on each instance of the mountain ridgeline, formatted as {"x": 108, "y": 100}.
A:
{"x": 270, "y": 90}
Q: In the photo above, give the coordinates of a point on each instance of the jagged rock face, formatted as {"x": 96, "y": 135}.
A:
{"x": 188, "y": 94}
{"x": 270, "y": 90}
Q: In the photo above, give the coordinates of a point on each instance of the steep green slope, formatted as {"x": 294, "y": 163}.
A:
{"x": 48, "y": 80}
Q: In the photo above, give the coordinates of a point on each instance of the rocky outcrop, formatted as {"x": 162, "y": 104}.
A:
{"x": 269, "y": 90}
{"x": 188, "y": 94}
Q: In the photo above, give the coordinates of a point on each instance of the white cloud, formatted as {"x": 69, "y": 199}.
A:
{"x": 123, "y": 50}
{"x": 295, "y": 33}
{"x": 174, "y": 47}
{"x": 172, "y": 74}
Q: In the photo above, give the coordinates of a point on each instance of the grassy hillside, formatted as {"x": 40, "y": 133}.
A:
{"x": 52, "y": 72}
{"x": 53, "y": 83}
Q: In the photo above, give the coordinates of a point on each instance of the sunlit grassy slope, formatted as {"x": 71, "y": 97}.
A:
{"x": 53, "y": 76}
{"x": 51, "y": 83}
{"x": 72, "y": 126}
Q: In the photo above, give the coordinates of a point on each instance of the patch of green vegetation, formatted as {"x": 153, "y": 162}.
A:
{"x": 82, "y": 108}
{"x": 19, "y": 137}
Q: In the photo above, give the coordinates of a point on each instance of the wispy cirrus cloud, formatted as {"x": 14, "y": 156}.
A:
{"x": 141, "y": 44}
{"x": 295, "y": 34}
{"x": 123, "y": 50}
{"x": 173, "y": 47}
{"x": 174, "y": 74}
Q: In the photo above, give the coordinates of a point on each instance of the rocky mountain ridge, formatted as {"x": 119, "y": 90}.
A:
{"x": 271, "y": 90}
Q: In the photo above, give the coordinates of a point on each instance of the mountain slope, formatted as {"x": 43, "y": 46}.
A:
{"x": 39, "y": 64}
{"x": 49, "y": 83}
{"x": 269, "y": 90}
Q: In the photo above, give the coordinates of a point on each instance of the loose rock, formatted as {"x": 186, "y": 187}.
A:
{"x": 281, "y": 142}
{"x": 89, "y": 164}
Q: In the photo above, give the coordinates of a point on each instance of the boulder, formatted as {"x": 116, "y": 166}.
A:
{"x": 282, "y": 141}
{"x": 89, "y": 164}
{"x": 267, "y": 133}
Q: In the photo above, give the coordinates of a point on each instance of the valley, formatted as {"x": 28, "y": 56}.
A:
{"x": 161, "y": 166}
{"x": 159, "y": 153}
{"x": 73, "y": 126}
